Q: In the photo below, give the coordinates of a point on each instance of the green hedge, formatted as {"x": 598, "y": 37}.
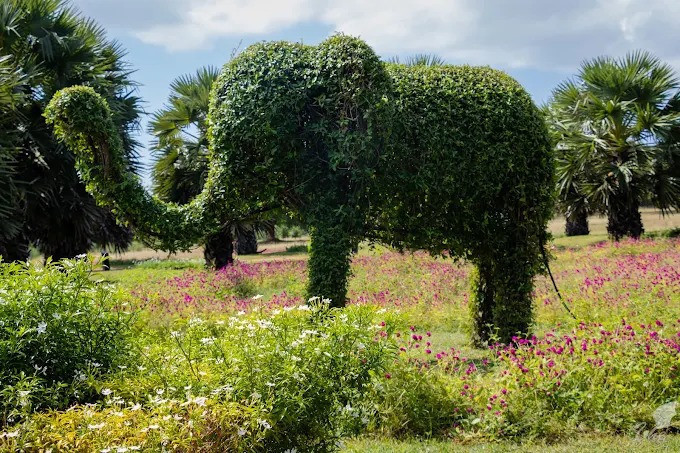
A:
{"x": 441, "y": 158}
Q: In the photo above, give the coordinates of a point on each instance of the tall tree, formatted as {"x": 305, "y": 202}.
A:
{"x": 616, "y": 149}
{"x": 58, "y": 47}
{"x": 11, "y": 82}
{"x": 181, "y": 168}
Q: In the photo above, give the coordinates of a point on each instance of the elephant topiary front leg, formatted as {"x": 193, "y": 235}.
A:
{"x": 329, "y": 262}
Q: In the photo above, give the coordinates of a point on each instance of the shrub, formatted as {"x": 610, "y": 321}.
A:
{"x": 58, "y": 330}
{"x": 301, "y": 370}
{"x": 170, "y": 426}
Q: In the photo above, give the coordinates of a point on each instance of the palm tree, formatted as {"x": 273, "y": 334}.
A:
{"x": 11, "y": 81}
{"x": 57, "y": 47}
{"x": 181, "y": 168}
{"x": 421, "y": 59}
{"x": 615, "y": 147}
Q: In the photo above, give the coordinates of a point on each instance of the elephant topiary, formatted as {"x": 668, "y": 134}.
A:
{"x": 450, "y": 159}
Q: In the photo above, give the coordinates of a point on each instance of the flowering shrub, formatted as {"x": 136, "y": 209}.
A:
{"x": 592, "y": 378}
{"x": 302, "y": 366}
{"x": 167, "y": 426}
{"x": 58, "y": 330}
{"x": 293, "y": 379}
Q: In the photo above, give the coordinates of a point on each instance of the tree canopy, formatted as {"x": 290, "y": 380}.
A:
{"x": 615, "y": 148}
{"x": 52, "y": 47}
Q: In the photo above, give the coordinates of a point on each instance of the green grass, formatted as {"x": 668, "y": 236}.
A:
{"x": 584, "y": 444}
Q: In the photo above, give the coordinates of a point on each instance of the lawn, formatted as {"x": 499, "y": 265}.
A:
{"x": 584, "y": 384}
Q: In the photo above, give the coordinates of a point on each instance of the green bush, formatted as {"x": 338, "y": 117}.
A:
{"x": 301, "y": 370}
{"x": 58, "y": 331}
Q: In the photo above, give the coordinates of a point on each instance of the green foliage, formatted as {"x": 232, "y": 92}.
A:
{"x": 356, "y": 149}
{"x": 168, "y": 426}
{"x": 58, "y": 330}
{"x": 613, "y": 127}
{"x": 286, "y": 381}
{"x": 10, "y": 96}
{"x": 469, "y": 172}
{"x": 181, "y": 142}
{"x": 82, "y": 119}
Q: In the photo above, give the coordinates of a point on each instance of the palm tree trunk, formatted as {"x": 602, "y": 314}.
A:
{"x": 577, "y": 224}
{"x": 271, "y": 231}
{"x": 15, "y": 249}
{"x": 246, "y": 242}
{"x": 219, "y": 249}
{"x": 623, "y": 219}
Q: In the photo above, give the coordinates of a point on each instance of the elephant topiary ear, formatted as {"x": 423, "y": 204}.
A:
{"x": 354, "y": 111}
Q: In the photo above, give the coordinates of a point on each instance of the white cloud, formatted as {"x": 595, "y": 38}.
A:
{"x": 512, "y": 33}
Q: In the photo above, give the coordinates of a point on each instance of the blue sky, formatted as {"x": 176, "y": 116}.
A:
{"x": 538, "y": 42}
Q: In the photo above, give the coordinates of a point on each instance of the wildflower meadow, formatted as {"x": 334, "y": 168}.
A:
{"x": 238, "y": 359}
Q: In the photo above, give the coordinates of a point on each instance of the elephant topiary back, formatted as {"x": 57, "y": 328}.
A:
{"x": 469, "y": 172}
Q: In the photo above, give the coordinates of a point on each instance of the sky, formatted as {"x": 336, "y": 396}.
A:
{"x": 539, "y": 42}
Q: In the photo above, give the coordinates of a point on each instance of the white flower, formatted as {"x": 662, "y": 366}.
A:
{"x": 175, "y": 334}
{"x": 42, "y": 327}
{"x": 290, "y": 450}
{"x": 259, "y": 296}
{"x": 107, "y": 392}
{"x": 136, "y": 407}
{"x": 200, "y": 400}
{"x": 105, "y": 450}
{"x": 208, "y": 340}
{"x": 270, "y": 384}
{"x": 56, "y": 315}
{"x": 97, "y": 426}
{"x": 121, "y": 449}
{"x": 264, "y": 423}
{"x": 241, "y": 313}
{"x": 10, "y": 434}
{"x": 241, "y": 432}
{"x": 154, "y": 426}
{"x": 303, "y": 307}
{"x": 135, "y": 448}
{"x": 255, "y": 396}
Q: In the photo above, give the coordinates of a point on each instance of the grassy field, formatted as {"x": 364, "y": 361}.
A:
{"x": 583, "y": 444}
{"x": 537, "y": 396}
{"x": 652, "y": 219}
